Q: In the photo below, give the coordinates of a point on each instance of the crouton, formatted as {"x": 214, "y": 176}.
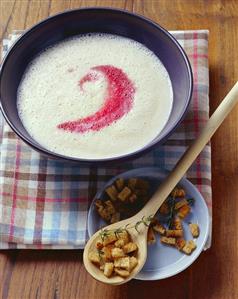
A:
{"x": 124, "y": 194}
{"x": 103, "y": 213}
{"x": 123, "y": 235}
{"x": 106, "y": 253}
{"x": 133, "y": 262}
{"x": 115, "y": 217}
{"x": 159, "y": 228}
{"x": 178, "y": 192}
{"x": 189, "y": 247}
{"x": 130, "y": 247}
{"x": 122, "y": 273}
{"x": 98, "y": 203}
{"x": 123, "y": 263}
{"x": 168, "y": 241}
{"x": 120, "y": 184}
{"x": 164, "y": 209}
{"x": 119, "y": 243}
{"x": 180, "y": 204}
{"x": 184, "y": 211}
{"x": 174, "y": 233}
{"x": 180, "y": 243}
{"x": 132, "y": 183}
{"x": 194, "y": 229}
{"x": 151, "y": 239}
{"x": 112, "y": 192}
{"x": 109, "y": 238}
{"x": 94, "y": 257}
{"x": 117, "y": 253}
{"x": 108, "y": 269}
{"x": 109, "y": 207}
{"x": 177, "y": 224}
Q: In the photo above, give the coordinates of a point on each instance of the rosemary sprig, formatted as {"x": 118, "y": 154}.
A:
{"x": 100, "y": 254}
{"x": 104, "y": 233}
{"x": 145, "y": 220}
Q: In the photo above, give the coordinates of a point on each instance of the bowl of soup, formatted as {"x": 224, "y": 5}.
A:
{"x": 95, "y": 85}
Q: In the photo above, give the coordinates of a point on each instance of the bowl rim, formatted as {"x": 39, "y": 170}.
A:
{"x": 128, "y": 156}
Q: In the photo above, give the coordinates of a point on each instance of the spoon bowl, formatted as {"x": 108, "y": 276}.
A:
{"x": 139, "y": 237}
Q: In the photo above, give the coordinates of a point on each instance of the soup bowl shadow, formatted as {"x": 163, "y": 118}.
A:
{"x": 89, "y": 20}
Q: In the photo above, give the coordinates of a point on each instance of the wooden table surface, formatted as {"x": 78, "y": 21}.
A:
{"x": 60, "y": 274}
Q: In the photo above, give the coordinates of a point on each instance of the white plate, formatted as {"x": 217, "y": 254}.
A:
{"x": 162, "y": 261}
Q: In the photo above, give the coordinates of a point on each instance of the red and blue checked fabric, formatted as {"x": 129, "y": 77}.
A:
{"x": 44, "y": 203}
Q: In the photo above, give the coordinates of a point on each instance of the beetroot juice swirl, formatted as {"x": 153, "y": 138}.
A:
{"x": 118, "y": 101}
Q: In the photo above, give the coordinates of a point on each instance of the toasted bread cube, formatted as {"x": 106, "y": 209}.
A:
{"x": 108, "y": 269}
{"x": 124, "y": 194}
{"x": 180, "y": 243}
{"x": 168, "y": 241}
{"x": 178, "y": 192}
{"x": 115, "y": 217}
{"x": 189, "y": 247}
{"x": 132, "y": 183}
{"x": 109, "y": 207}
{"x": 184, "y": 211}
{"x": 133, "y": 262}
{"x": 174, "y": 233}
{"x": 151, "y": 239}
{"x": 98, "y": 203}
{"x": 123, "y": 262}
{"x": 164, "y": 209}
{"x": 122, "y": 273}
{"x": 194, "y": 229}
{"x": 94, "y": 257}
{"x": 192, "y": 244}
{"x": 120, "y": 184}
{"x": 107, "y": 253}
{"x": 119, "y": 243}
{"x": 112, "y": 192}
{"x": 123, "y": 235}
{"x": 104, "y": 214}
{"x": 109, "y": 238}
{"x": 133, "y": 198}
{"x": 159, "y": 228}
{"x": 117, "y": 253}
{"x": 130, "y": 247}
{"x": 177, "y": 224}
{"x": 181, "y": 203}
{"x": 99, "y": 245}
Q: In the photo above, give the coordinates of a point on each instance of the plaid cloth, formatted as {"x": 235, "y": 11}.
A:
{"x": 44, "y": 203}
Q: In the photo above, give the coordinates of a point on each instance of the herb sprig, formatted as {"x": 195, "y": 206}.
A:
{"x": 106, "y": 232}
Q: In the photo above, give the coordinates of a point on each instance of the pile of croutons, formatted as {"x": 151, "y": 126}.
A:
{"x": 124, "y": 199}
{"x": 115, "y": 253}
{"x": 174, "y": 234}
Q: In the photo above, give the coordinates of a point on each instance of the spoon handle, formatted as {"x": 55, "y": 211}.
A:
{"x": 192, "y": 152}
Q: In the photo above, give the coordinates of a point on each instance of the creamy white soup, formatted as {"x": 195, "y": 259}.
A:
{"x": 95, "y": 96}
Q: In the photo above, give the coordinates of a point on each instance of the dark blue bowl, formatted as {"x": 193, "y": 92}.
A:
{"x": 70, "y": 23}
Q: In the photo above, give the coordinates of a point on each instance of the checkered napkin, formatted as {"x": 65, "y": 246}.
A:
{"x": 44, "y": 203}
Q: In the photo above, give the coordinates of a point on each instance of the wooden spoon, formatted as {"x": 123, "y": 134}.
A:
{"x": 161, "y": 194}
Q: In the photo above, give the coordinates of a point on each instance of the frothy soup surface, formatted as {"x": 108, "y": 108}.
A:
{"x": 95, "y": 96}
